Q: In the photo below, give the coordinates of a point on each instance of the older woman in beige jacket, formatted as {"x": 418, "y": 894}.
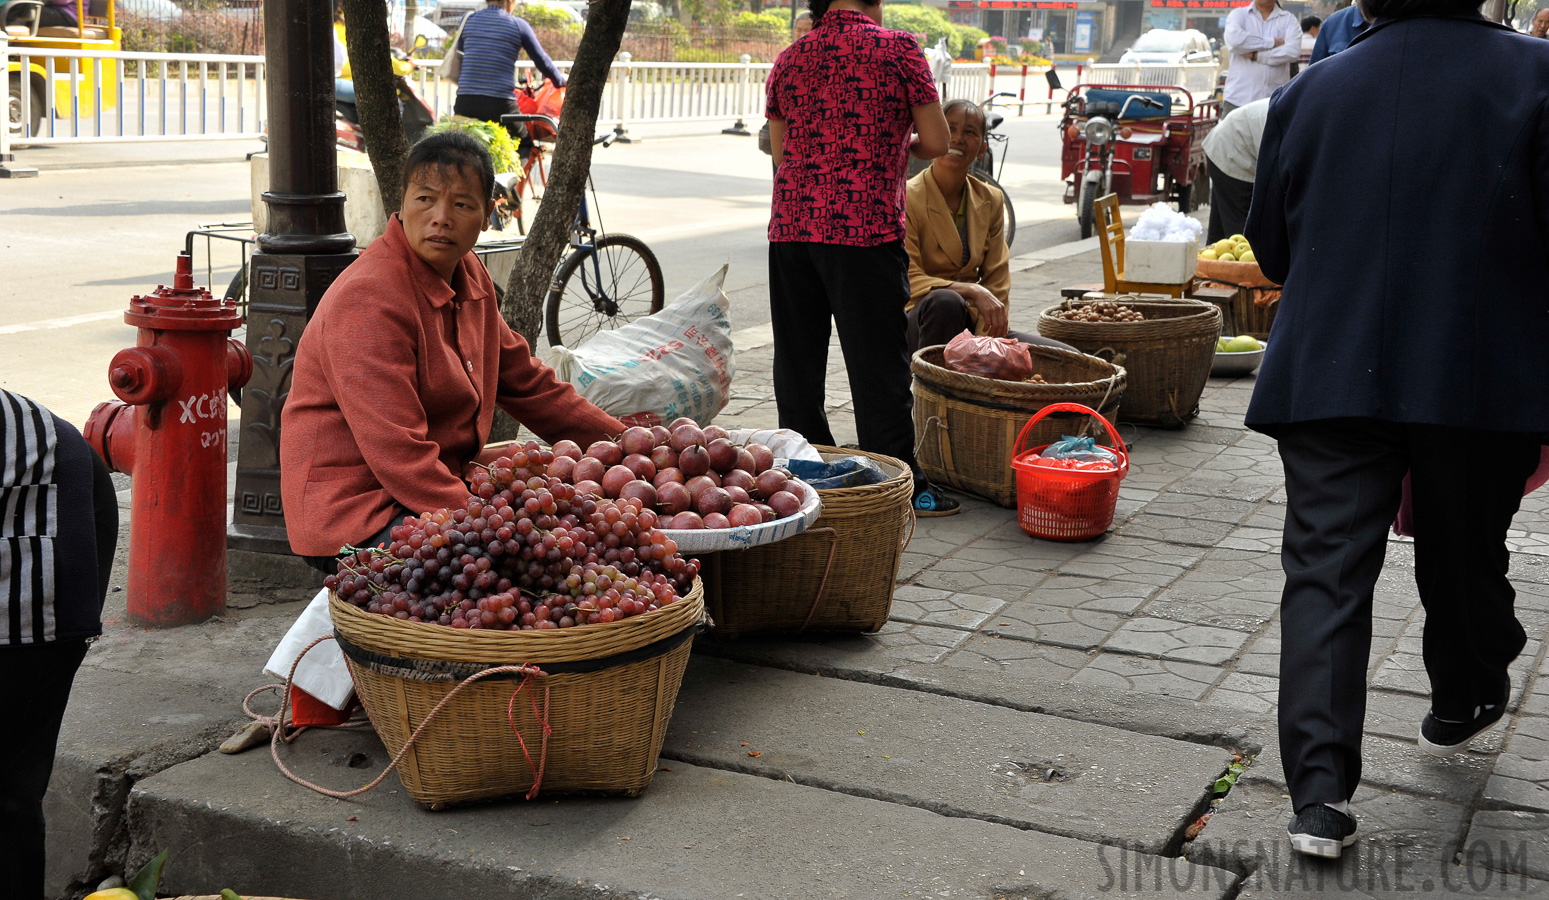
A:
{"x": 959, "y": 264}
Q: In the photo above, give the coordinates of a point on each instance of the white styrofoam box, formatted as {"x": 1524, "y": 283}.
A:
{"x": 1160, "y": 262}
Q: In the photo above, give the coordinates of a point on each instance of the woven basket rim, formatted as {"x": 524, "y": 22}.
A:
{"x": 902, "y": 473}
{"x": 396, "y": 636}
{"x": 942, "y": 378}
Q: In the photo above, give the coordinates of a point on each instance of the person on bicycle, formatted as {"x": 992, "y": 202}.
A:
{"x": 842, "y": 103}
{"x": 492, "y": 40}
{"x": 959, "y": 264}
{"x": 397, "y": 376}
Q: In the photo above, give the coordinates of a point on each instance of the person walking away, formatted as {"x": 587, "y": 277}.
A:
{"x": 1337, "y": 32}
{"x": 955, "y": 233}
{"x": 492, "y": 40}
{"x": 1263, "y": 40}
{"x": 1232, "y": 156}
{"x": 56, "y": 549}
{"x": 841, "y": 104}
{"x": 1402, "y": 345}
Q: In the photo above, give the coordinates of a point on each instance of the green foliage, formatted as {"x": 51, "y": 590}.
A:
{"x": 968, "y": 37}
{"x": 927, "y": 20}
{"x": 771, "y": 23}
{"x": 540, "y": 16}
{"x": 145, "y": 881}
{"x": 502, "y": 150}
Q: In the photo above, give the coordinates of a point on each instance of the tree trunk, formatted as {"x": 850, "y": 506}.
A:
{"x": 411, "y": 11}
{"x": 549, "y": 236}
{"x": 756, "y": 6}
{"x": 376, "y": 96}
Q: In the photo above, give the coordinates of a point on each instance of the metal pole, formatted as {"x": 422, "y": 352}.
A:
{"x": 9, "y": 168}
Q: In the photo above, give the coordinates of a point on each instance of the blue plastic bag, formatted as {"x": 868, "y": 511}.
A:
{"x": 849, "y": 471}
{"x": 1079, "y": 448}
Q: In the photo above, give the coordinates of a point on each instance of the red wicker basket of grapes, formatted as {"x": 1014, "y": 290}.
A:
{"x": 532, "y": 640}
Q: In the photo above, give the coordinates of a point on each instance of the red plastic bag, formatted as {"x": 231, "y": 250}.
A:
{"x": 548, "y": 100}
{"x": 989, "y": 357}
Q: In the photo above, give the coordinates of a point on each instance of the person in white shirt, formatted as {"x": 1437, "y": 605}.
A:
{"x": 1264, "y": 40}
{"x": 1232, "y": 156}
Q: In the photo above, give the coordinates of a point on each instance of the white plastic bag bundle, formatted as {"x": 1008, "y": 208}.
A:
{"x": 323, "y": 672}
{"x": 678, "y": 362}
{"x": 940, "y": 59}
{"x": 1160, "y": 222}
{"x": 783, "y": 442}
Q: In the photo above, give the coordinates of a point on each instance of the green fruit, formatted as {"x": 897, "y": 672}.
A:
{"x": 1242, "y": 344}
{"x": 1220, "y": 345}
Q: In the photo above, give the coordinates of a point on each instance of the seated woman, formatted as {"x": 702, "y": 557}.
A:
{"x": 959, "y": 264}
{"x": 399, "y": 371}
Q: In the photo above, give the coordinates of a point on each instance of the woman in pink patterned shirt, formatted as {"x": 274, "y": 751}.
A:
{"x": 844, "y": 102}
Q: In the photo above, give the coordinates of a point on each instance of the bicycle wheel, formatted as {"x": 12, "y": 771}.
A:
{"x": 624, "y": 284}
{"x": 1010, "y": 213}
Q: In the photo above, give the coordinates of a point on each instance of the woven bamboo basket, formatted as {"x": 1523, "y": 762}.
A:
{"x": 965, "y": 426}
{"x": 1167, "y": 356}
{"x": 837, "y": 575}
{"x": 605, "y": 691}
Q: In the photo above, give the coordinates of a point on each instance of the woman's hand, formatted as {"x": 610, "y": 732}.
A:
{"x": 992, "y": 312}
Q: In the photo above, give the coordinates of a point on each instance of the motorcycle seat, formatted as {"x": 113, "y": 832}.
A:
{"x": 992, "y": 120}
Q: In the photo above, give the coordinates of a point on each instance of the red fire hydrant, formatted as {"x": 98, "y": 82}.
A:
{"x": 168, "y": 430}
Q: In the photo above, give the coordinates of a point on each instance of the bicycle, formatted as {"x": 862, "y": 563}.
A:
{"x": 606, "y": 280}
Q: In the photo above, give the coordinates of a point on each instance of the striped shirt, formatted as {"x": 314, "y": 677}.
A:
{"x": 48, "y": 568}
{"x": 492, "y": 41}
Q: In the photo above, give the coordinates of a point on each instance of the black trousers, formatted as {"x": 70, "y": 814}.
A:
{"x": 942, "y": 315}
{"x": 862, "y": 291}
{"x": 1343, "y": 479}
{"x": 1229, "y": 201}
{"x": 40, "y": 676}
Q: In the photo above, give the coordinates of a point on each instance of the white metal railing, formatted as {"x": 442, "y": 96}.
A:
{"x": 1198, "y": 79}
{"x": 100, "y": 97}
{"x": 656, "y": 92}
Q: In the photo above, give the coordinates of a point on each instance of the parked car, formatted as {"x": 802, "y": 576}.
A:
{"x": 1160, "y": 46}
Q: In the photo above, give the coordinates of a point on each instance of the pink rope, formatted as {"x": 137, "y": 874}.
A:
{"x": 278, "y": 732}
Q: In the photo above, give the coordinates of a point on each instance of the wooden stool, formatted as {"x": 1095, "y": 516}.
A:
{"x": 1110, "y": 235}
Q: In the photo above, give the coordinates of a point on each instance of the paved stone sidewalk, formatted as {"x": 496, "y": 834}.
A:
{"x": 1181, "y": 600}
{"x": 1038, "y": 720}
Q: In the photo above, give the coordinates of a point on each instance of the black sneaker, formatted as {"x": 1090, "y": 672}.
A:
{"x": 930, "y": 501}
{"x": 1321, "y": 830}
{"x": 1439, "y": 737}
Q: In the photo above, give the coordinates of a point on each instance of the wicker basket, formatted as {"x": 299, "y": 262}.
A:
{"x": 606, "y": 692}
{"x": 837, "y": 575}
{"x": 1168, "y": 355}
{"x": 966, "y": 426}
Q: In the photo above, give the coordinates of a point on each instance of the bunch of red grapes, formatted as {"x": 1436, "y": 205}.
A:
{"x": 694, "y": 477}
{"x": 526, "y": 551}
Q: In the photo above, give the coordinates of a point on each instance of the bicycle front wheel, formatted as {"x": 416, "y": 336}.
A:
{"x": 602, "y": 287}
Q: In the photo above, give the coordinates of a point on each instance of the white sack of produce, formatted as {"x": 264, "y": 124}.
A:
{"x": 1160, "y": 222}
{"x": 678, "y": 362}
{"x": 323, "y": 672}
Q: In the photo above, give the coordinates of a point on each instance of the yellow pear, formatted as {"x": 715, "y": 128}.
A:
{"x": 1236, "y": 238}
{"x": 1207, "y": 254}
{"x": 1226, "y": 257}
{"x": 1248, "y": 257}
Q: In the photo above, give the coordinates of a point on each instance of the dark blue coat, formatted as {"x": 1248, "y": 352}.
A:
{"x": 1402, "y": 199}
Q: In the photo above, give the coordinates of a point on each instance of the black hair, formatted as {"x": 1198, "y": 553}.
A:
{"x": 1405, "y": 9}
{"x": 1310, "y": 23}
{"x": 818, "y": 7}
{"x": 452, "y": 149}
{"x": 964, "y": 103}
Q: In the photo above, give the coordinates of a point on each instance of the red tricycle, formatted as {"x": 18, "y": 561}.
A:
{"x": 1142, "y": 142}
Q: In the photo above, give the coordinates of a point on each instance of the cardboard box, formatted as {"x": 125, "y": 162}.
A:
{"x": 1160, "y": 262}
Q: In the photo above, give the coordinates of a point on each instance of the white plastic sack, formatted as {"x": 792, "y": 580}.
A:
{"x": 323, "y": 673}
{"x": 940, "y": 59}
{"x": 783, "y": 442}
{"x": 1160, "y": 222}
{"x": 678, "y": 362}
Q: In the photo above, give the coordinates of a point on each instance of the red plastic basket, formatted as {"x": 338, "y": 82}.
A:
{"x": 1066, "y": 504}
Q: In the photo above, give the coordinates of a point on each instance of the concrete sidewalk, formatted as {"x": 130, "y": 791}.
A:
{"x": 1037, "y": 720}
